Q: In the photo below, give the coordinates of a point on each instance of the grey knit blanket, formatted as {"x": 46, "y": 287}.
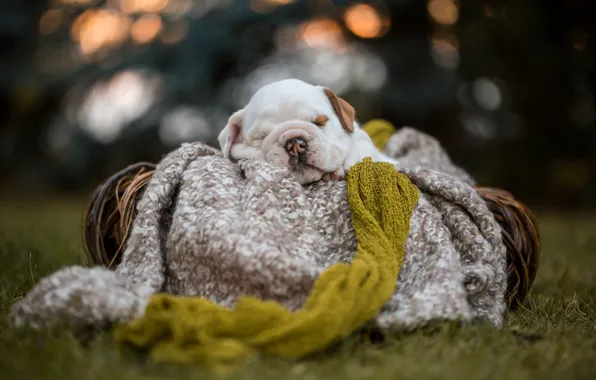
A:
{"x": 212, "y": 228}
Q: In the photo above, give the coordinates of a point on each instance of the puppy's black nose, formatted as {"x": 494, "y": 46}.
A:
{"x": 296, "y": 146}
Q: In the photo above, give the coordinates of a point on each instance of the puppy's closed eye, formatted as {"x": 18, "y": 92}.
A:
{"x": 320, "y": 120}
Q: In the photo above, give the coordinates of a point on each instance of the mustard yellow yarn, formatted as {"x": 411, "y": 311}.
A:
{"x": 379, "y": 131}
{"x": 194, "y": 330}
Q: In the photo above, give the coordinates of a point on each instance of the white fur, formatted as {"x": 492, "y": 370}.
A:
{"x": 287, "y": 109}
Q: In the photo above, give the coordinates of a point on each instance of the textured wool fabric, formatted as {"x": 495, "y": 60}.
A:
{"x": 220, "y": 230}
{"x": 191, "y": 329}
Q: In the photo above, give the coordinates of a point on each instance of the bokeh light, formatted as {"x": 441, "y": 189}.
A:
{"x": 443, "y": 12}
{"x": 487, "y": 94}
{"x": 146, "y": 28}
{"x": 142, "y": 6}
{"x": 95, "y": 29}
{"x": 184, "y": 124}
{"x": 322, "y": 34}
{"x": 350, "y": 69}
{"x": 369, "y": 72}
{"x": 445, "y": 52}
{"x": 328, "y": 68}
{"x": 365, "y": 21}
{"x": 324, "y": 42}
{"x": 111, "y": 105}
{"x": 480, "y": 126}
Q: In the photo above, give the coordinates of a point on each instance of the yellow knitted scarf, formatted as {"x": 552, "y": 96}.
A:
{"x": 195, "y": 330}
{"x": 380, "y": 131}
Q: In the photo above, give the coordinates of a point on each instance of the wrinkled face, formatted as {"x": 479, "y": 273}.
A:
{"x": 291, "y": 123}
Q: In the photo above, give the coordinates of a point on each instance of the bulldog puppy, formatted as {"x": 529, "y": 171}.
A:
{"x": 304, "y": 127}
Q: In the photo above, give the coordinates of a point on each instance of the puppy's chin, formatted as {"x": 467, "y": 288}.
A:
{"x": 303, "y": 172}
{"x": 306, "y": 174}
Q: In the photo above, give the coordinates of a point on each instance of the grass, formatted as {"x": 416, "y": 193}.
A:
{"x": 552, "y": 337}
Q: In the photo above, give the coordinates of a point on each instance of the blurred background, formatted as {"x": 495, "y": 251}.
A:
{"x": 90, "y": 86}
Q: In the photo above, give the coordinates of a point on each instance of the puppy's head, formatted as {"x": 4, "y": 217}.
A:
{"x": 295, "y": 124}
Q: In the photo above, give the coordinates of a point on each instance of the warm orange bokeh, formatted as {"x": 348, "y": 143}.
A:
{"x": 444, "y": 12}
{"x": 142, "y": 6}
{"x": 365, "y": 21}
{"x": 145, "y": 28}
{"x": 322, "y": 33}
{"x": 99, "y": 28}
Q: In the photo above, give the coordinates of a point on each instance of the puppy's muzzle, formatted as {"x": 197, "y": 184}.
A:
{"x": 296, "y": 148}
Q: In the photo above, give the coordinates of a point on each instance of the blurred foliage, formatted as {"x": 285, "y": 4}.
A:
{"x": 89, "y": 86}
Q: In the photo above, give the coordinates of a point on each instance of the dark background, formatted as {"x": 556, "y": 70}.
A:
{"x": 88, "y": 87}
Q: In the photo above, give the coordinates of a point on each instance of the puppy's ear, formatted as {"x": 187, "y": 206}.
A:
{"x": 231, "y": 133}
{"x": 343, "y": 109}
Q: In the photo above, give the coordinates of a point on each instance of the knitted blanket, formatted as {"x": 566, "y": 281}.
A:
{"x": 220, "y": 230}
{"x": 192, "y": 329}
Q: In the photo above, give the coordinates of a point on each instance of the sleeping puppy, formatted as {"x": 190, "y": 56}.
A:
{"x": 304, "y": 127}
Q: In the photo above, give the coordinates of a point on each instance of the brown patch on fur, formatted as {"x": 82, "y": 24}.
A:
{"x": 321, "y": 120}
{"x": 343, "y": 109}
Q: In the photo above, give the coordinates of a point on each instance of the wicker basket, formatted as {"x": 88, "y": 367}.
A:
{"x": 521, "y": 237}
{"x": 112, "y": 209}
